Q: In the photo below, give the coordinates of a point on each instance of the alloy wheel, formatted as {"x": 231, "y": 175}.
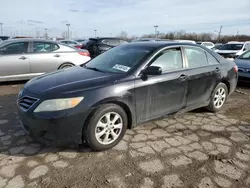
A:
{"x": 219, "y": 97}
{"x": 108, "y": 128}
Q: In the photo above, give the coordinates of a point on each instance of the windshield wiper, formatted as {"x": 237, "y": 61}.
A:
{"x": 93, "y": 68}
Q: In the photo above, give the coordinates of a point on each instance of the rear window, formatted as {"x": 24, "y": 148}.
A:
{"x": 231, "y": 47}
{"x": 207, "y": 44}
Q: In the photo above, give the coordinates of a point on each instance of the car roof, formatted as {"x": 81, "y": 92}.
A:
{"x": 26, "y": 40}
{"x": 160, "y": 44}
{"x": 101, "y": 38}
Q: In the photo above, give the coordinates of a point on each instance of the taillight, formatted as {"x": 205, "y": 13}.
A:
{"x": 84, "y": 53}
{"x": 235, "y": 68}
{"x": 78, "y": 46}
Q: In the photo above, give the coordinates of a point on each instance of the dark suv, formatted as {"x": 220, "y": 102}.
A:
{"x": 4, "y": 37}
{"x": 96, "y": 46}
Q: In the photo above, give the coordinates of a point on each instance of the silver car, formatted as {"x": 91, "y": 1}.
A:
{"x": 22, "y": 59}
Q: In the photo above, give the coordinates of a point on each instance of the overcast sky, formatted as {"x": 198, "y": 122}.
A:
{"x": 136, "y": 17}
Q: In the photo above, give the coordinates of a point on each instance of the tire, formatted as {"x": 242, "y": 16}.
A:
{"x": 66, "y": 66}
{"x": 99, "y": 132}
{"x": 220, "y": 93}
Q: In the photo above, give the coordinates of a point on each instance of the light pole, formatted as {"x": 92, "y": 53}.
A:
{"x": 21, "y": 22}
{"x": 46, "y": 33}
{"x": 156, "y": 26}
{"x": 95, "y": 32}
{"x": 219, "y": 33}
{"x": 68, "y": 28}
{"x": 1, "y": 24}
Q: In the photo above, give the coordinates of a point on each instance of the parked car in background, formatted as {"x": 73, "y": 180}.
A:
{"x": 149, "y": 40}
{"x": 22, "y": 59}
{"x": 121, "y": 88}
{"x": 96, "y": 46}
{"x": 243, "y": 63}
{"x": 232, "y": 50}
{"x": 81, "y": 41}
{"x": 217, "y": 47}
{"x": 72, "y": 43}
{"x": 186, "y": 41}
{"x": 4, "y": 37}
{"x": 206, "y": 44}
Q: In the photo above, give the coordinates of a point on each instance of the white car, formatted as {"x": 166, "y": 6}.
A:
{"x": 231, "y": 50}
{"x": 186, "y": 41}
{"x": 209, "y": 45}
{"x": 22, "y": 59}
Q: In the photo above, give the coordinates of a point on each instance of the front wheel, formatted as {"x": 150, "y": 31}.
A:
{"x": 66, "y": 66}
{"x": 105, "y": 127}
{"x": 218, "y": 98}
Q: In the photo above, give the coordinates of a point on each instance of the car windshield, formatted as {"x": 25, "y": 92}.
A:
{"x": 232, "y": 47}
{"x": 207, "y": 44}
{"x": 218, "y": 46}
{"x": 119, "y": 59}
{"x": 245, "y": 55}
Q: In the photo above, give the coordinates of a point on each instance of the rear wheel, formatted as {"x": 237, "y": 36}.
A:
{"x": 218, "y": 98}
{"x": 106, "y": 127}
{"x": 66, "y": 66}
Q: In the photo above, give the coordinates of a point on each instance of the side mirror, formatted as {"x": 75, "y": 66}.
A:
{"x": 152, "y": 70}
{"x": 244, "y": 49}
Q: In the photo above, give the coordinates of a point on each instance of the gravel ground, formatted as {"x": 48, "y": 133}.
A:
{"x": 196, "y": 149}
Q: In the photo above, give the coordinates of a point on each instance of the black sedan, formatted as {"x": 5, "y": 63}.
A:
{"x": 130, "y": 84}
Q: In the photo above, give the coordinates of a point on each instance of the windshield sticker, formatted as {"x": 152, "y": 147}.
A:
{"x": 121, "y": 68}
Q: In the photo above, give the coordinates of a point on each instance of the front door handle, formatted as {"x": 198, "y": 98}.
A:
{"x": 183, "y": 77}
{"x": 57, "y": 55}
{"x": 23, "y": 58}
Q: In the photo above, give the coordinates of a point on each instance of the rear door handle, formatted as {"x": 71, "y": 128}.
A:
{"x": 217, "y": 69}
{"x": 183, "y": 77}
{"x": 23, "y": 58}
{"x": 57, "y": 55}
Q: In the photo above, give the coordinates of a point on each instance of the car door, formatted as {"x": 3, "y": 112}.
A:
{"x": 44, "y": 57}
{"x": 203, "y": 72}
{"x": 162, "y": 94}
{"x": 14, "y": 59}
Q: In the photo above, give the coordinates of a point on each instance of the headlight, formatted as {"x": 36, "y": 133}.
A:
{"x": 58, "y": 104}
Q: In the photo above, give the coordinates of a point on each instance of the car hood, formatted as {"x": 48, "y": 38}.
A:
{"x": 227, "y": 51}
{"x": 69, "y": 81}
{"x": 243, "y": 63}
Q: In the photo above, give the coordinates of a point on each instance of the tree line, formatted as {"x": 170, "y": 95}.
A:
{"x": 216, "y": 38}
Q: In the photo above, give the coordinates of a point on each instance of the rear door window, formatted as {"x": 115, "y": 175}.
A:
{"x": 42, "y": 47}
{"x": 196, "y": 57}
{"x": 14, "y": 48}
{"x": 211, "y": 59}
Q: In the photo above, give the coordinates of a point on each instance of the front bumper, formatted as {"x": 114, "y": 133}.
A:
{"x": 244, "y": 75}
{"x": 54, "y": 131}
{"x": 53, "y": 128}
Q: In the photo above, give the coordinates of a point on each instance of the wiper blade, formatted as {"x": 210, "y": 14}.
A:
{"x": 93, "y": 68}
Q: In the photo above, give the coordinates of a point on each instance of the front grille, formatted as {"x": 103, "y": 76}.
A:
{"x": 229, "y": 55}
{"x": 26, "y": 102}
{"x": 246, "y": 70}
